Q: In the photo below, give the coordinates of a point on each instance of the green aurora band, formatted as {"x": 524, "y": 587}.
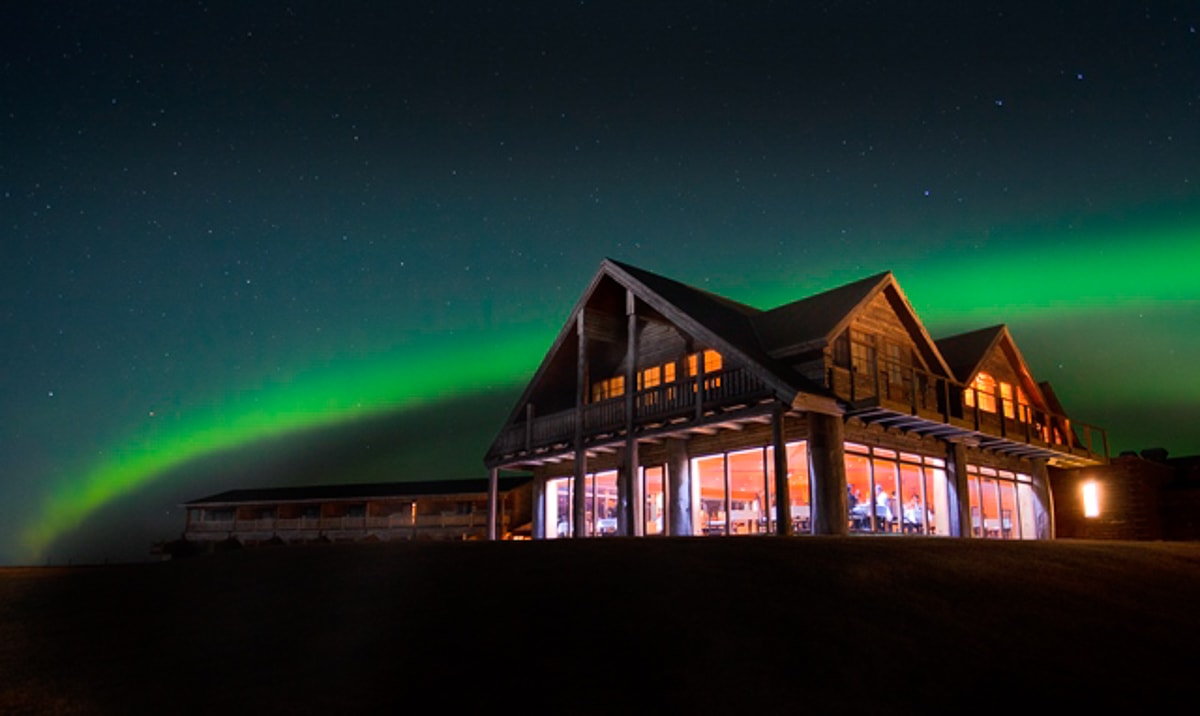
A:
{"x": 1132, "y": 273}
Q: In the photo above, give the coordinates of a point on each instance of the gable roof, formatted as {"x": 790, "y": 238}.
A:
{"x": 811, "y": 321}
{"x": 760, "y": 340}
{"x": 815, "y": 321}
{"x": 964, "y": 352}
{"x": 721, "y": 323}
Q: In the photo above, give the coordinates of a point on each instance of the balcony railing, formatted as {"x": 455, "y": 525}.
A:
{"x": 691, "y": 396}
{"x": 912, "y": 391}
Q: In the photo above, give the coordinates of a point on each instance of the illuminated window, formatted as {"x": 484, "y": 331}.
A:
{"x": 650, "y": 377}
{"x": 712, "y": 362}
{"x": 610, "y": 388}
{"x": 1024, "y": 413}
{"x": 1091, "y": 499}
{"x": 985, "y": 387}
{"x": 1006, "y": 400}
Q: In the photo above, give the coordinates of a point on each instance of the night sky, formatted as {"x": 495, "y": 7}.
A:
{"x": 277, "y": 243}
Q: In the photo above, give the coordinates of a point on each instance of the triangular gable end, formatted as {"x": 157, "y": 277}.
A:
{"x": 889, "y": 287}
{"x": 1002, "y": 351}
{"x": 636, "y": 280}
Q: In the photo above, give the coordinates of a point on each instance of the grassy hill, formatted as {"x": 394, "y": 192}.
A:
{"x": 737, "y": 625}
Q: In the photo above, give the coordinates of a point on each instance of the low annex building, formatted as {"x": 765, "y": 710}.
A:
{"x": 444, "y": 509}
{"x": 664, "y": 409}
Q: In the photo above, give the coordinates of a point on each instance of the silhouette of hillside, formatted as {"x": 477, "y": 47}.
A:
{"x": 678, "y": 625}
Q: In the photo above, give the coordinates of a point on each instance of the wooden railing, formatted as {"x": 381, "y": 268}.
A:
{"x": 691, "y": 396}
{"x": 907, "y": 389}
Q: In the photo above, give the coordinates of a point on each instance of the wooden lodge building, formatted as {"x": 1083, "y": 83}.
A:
{"x": 664, "y": 409}
{"x": 436, "y": 510}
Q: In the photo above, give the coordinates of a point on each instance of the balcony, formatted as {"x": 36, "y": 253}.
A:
{"x": 677, "y": 401}
{"x": 913, "y": 399}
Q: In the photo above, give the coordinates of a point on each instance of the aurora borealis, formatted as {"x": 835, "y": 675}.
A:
{"x": 229, "y": 228}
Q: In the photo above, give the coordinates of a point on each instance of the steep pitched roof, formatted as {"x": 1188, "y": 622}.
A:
{"x": 724, "y": 323}
{"x": 758, "y": 339}
{"x": 813, "y": 320}
{"x": 964, "y": 352}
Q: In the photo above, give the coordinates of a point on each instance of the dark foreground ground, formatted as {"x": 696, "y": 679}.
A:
{"x": 726, "y": 626}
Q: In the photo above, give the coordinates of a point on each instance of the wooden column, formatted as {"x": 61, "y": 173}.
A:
{"x": 538, "y": 488}
{"x": 493, "y": 499}
{"x": 679, "y": 488}
{"x": 1045, "y": 500}
{"x": 629, "y": 522}
{"x": 579, "y": 521}
{"x": 827, "y": 463}
{"x": 783, "y": 499}
{"x": 957, "y": 485}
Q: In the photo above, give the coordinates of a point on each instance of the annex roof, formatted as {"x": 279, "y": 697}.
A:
{"x": 356, "y": 491}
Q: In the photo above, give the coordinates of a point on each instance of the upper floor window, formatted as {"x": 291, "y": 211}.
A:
{"x": 983, "y": 391}
{"x": 657, "y": 375}
{"x": 712, "y": 362}
{"x": 610, "y": 388}
{"x": 1013, "y": 401}
{"x": 862, "y": 352}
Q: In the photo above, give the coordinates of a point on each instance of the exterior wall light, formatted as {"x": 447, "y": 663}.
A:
{"x": 1091, "y": 499}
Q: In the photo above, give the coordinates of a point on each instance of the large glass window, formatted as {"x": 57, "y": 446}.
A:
{"x": 602, "y": 503}
{"x": 654, "y": 491}
{"x": 896, "y": 492}
{"x": 736, "y": 491}
{"x": 1003, "y": 504}
{"x": 558, "y": 507}
{"x": 708, "y": 479}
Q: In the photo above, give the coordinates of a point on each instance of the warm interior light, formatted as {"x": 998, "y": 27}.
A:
{"x": 1091, "y": 499}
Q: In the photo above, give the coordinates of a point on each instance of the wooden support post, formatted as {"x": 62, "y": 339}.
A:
{"x": 538, "y": 489}
{"x": 1043, "y": 501}
{"x": 827, "y": 473}
{"x": 629, "y": 520}
{"x": 579, "y": 523}
{"x": 959, "y": 489}
{"x": 528, "y": 428}
{"x": 727, "y": 505}
{"x": 679, "y": 488}
{"x": 493, "y": 497}
{"x": 783, "y": 500}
